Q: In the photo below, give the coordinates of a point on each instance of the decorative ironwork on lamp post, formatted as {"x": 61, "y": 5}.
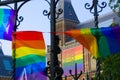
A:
{"x": 95, "y": 6}
{"x": 76, "y": 76}
{"x": 55, "y": 70}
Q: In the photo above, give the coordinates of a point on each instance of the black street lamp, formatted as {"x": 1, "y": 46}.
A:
{"x": 55, "y": 70}
{"x": 95, "y": 12}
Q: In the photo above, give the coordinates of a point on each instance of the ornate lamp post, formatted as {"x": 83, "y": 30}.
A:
{"x": 55, "y": 71}
{"x": 95, "y": 12}
{"x": 10, "y": 2}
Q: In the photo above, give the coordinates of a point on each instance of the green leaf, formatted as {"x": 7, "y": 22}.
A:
{"x": 118, "y": 1}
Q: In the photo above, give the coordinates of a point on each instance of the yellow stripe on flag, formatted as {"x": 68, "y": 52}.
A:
{"x": 24, "y": 51}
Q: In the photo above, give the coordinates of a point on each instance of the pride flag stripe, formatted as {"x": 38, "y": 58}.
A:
{"x": 73, "y": 66}
{"x": 70, "y": 57}
{"x": 7, "y": 19}
{"x": 100, "y": 42}
{"x": 31, "y": 44}
{"x": 29, "y": 35}
{"x": 30, "y": 55}
{"x": 27, "y": 51}
{"x": 33, "y": 68}
{"x": 35, "y": 76}
{"x": 30, "y": 59}
{"x": 75, "y": 58}
{"x": 67, "y": 64}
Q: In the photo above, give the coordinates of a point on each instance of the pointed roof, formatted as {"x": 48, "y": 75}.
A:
{"x": 68, "y": 11}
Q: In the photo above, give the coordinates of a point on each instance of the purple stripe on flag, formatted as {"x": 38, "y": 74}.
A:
{"x": 35, "y": 76}
{"x": 66, "y": 69}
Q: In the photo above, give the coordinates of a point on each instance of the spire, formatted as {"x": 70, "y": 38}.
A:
{"x": 68, "y": 11}
{"x": 1, "y": 52}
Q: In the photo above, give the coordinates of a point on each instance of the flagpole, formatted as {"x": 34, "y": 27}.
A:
{"x": 53, "y": 28}
{"x": 54, "y": 63}
{"x": 95, "y": 2}
{"x": 95, "y": 12}
{"x": 14, "y": 44}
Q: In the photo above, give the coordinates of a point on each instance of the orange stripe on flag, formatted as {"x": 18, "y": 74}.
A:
{"x": 38, "y": 44}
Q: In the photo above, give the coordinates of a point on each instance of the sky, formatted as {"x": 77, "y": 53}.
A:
{"x": 34, "y": 19}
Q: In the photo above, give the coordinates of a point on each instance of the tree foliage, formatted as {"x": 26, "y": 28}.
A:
{"x": 115, "y": 6}
{"x": 110, "y": 67}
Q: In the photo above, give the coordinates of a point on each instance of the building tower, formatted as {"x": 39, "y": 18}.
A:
{"x": 67, "y": 20}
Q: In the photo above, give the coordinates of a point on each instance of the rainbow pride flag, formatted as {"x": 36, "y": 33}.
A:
{"x": 30, "y": 58}
{"x": 7, "y": 18}
{"x": 70, "y": 57}
{"x": 100, "y": 42}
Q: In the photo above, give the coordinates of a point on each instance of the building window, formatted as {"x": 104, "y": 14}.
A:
{"x": 7, "y": 65}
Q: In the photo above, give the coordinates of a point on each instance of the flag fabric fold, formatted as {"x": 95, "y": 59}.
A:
{"x": 7, "y": 19}
{"x": 100, "y": 42}
{"x": 30, "y": 58}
